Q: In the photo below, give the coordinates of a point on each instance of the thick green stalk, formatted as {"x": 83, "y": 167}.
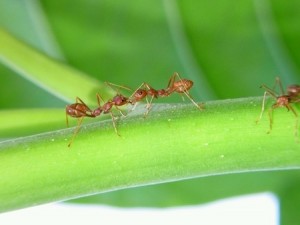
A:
{"x": 174, "y": 142}
{"x": 53, "y": 76}
{"x": 24, "y": 122}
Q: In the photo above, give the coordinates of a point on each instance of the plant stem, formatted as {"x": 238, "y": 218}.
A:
{"x": 174, "y": 142}
{"x": 59, "y": 79}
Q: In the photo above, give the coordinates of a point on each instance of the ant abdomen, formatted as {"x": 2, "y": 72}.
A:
{"x": 293, "y": 90}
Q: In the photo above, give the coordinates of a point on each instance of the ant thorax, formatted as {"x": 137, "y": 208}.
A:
{"x": 107, "y": 107}
{"x": 282, "y": 101}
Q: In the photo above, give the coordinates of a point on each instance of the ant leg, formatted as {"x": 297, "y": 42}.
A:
{"x": 67, "y": 119}
{"x": 270, "y": 119}
{"x": 143, "y": 84}
{"x": 76, "y": 131}
{"x": 114, "y": 123}
{"x": 296, "y": 128}
{"x": 200, "y": 107}
{"x": 148, "y": 106}
{"x": 262, "y": 108}
{"x": 78, "y": 100}
{"x": 134, "y": 106}
{"x": 114, "y": 86}
{"x": 153, "y": 93}
{"x": 172, "y": 79}
{"x": 120, "y": 111}
{"x": 297, "y": 121}
{"x": 186, "y": 92}
{"x": 296, "y": 101}
{"x": 135, "y": 100}
{"x": 278, "y": 82}
{"x": 269, "y": 90}
{"x": 99, "y": 98}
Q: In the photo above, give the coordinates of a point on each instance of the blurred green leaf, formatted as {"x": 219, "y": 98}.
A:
{"x": 196, "y": 191}
{"x": 228, "y": 44}
{"x": 289, "y": 202}
{"x": 26, "y": 20}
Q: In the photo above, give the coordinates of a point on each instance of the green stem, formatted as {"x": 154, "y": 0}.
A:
{"x": 174, "y": 142}
{"x": 59, "y": 79}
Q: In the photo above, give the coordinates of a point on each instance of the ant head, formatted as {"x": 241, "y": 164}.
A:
{"x": 70, "y": 109}
{"x": 140, "y": 94}
{"x": 120, "y": 100}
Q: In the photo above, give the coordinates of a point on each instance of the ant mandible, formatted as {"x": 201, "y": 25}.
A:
{"x": 80, "y": 109}
{"x": 282, "y": 100}
{"x": 181, "y": 86}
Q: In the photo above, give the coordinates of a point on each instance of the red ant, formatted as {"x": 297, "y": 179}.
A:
{"x": 80, "y": 109}
{"x": 282, "y": 100}
{"x": 182, "y": 86}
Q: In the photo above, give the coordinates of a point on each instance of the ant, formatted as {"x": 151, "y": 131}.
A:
{"x": 282, "y": 100}
{"x": 181, "y": 86}
{"x": 80, "y": 109}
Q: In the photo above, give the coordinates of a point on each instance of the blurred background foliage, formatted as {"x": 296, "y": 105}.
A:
{"x": 227, "y": 48}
